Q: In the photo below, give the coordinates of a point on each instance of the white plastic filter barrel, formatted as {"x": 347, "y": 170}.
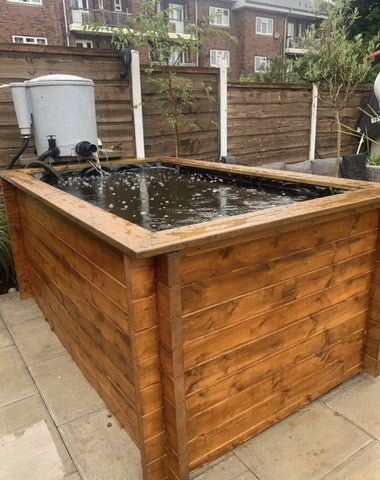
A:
{"x": 62, "y": 106}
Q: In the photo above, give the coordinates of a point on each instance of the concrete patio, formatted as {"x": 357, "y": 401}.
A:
{"x": 54, "y": 426}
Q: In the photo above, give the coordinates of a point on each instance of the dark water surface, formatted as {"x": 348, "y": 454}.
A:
{"x": 159, "y": 197}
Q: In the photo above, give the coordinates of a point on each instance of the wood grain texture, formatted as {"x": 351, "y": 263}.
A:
{"x": 172, "y": 364}
{"x": 269, "y": 321}
{"x": 11, "y": 199}
{"x": 202, "y": 336}
{"x": 371, "y": 349}
{"x": 140, "y": 279}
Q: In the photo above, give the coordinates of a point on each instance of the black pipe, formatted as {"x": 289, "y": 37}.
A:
{"x": 19, "y": 152}
{"x": 85, "y": 148}
{"x": 46, "y": 166}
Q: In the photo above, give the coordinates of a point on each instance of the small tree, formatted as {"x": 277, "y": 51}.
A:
{"x": 336, "y": 62}
{"x": 149, "y": 30}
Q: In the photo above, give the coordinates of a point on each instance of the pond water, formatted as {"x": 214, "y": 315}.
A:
{"x": 159, "y": 197}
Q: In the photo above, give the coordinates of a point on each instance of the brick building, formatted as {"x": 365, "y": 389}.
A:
{"x": 264, "y": 27}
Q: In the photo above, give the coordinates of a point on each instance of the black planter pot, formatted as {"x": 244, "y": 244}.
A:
{"x": 354, "y": 166}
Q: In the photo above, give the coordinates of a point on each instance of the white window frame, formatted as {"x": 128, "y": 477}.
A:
{"x": 30, "y": 2}
{"x": 215, "y": 54}
{"x": 100, "y": 5}
{"x": 79, "y": 4}
{"x": 81, "y": 43}
{"x": 117, "y": 5}
{"x": 28, "y": 40}
{"x": 264, "y": 26}
{"x": 219, "y": 17}
{"x": 177, "y": 17}
{"x": 261, "y": 62}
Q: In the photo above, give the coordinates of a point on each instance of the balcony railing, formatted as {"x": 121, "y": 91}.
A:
{"x": 115, "y": 19}
{"x": 102, "y": 17}
{"x": 297, "y": 45}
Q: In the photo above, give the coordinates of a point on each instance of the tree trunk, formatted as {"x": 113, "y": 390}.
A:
{"x": 338, "y": 142}
{"x": 176, "y": 135}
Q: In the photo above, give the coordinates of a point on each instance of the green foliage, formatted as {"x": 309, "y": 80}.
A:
{"x": 279, "y": 70}
{"x": 374, "y": 159}
{"x": 336, "y": 62}
{"x": 247, "y": 77}
{"x": 367, "y": 24}
{"x": 149, "y": 30}
{"x": 7, "y": 270}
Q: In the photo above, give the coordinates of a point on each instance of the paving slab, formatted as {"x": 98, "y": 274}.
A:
{"x": 304, "y": 446}
{"x": 5, "y": 338}
{"x": 101, "y": 449}
{"x": 363, "y": 466}
{"x": 35, "y": 340}
{"x": 65, "y": 390}
{"x": 74, "y": 476}
{"x": 30, "y": 446}
{"x": 16, "y": 382}
{"x": 14, "y": 310}
{"x": 359, "y": 401}
{"x": 229, "y": 469}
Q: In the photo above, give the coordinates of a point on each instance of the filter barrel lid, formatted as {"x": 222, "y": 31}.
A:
{"x": 58, "y": 79}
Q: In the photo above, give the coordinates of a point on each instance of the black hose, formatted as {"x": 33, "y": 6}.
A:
{"x": 19, "y": 152}
{"x": 46, "y": 166}
{"x": 49, "y": 153}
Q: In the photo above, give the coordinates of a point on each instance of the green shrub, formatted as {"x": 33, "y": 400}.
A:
{"x": 7, "y": 269}
{"x": 374, "y": 159}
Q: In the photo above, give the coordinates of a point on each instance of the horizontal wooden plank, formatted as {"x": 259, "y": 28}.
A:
{"x": 90, "y": 362}
{"x": 89, "y": 300}
{"x": 278, "y": 300}
{"x": 100, "y": 253}
{"x": 269, "y": 412}
{"x": 198, "y": 377}
{"x": 316, "y": 266}
{"x": 227, "y": 339}
{"x": 269, "y": 367}
{"x": 115, "y": 354}
{"x": 347, "y": 231}
{"x": 88, "y": 270}
{"x": 206, "y": 420}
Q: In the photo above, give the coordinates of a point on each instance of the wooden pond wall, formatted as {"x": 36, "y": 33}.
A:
{"x": 197, "y": 349}
{"x": 266, "y": 123}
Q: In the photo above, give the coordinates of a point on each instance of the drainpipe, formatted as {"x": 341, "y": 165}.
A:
{"x": 65, "y": 21}
{"x": 313, "y": 122}
{"x": 137, "y": 105}
{"x": 222, "y": 63}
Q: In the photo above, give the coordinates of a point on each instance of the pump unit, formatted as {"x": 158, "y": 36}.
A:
{"x": 61, "y": 111}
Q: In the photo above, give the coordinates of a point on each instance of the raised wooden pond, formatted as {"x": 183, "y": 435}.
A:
{"x": 198, "y": 337}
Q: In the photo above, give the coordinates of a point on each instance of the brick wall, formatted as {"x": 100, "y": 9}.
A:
{"x": 32, "y": 20}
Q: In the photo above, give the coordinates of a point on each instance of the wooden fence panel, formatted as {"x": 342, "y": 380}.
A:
{"x": 266, "y": 123}
{"x": 271, "y": 123}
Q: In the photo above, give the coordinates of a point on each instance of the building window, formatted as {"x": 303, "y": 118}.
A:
{"x": 179, "y": 57}
{"x": 79, "y": 4}
{"x": 29, "y": 40}
{"x": 216, "y": 54}
{"x": 84, "y": 43}
{"x": 176, "y": 18}
{"x": 261, "y": 64}
{"x": 100, "y": 4}
{"x": 264, "y": 26}
{"x": 220, "y": 16}
{"x": 32, "y": 2}
{"x": 117, "y": 5}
